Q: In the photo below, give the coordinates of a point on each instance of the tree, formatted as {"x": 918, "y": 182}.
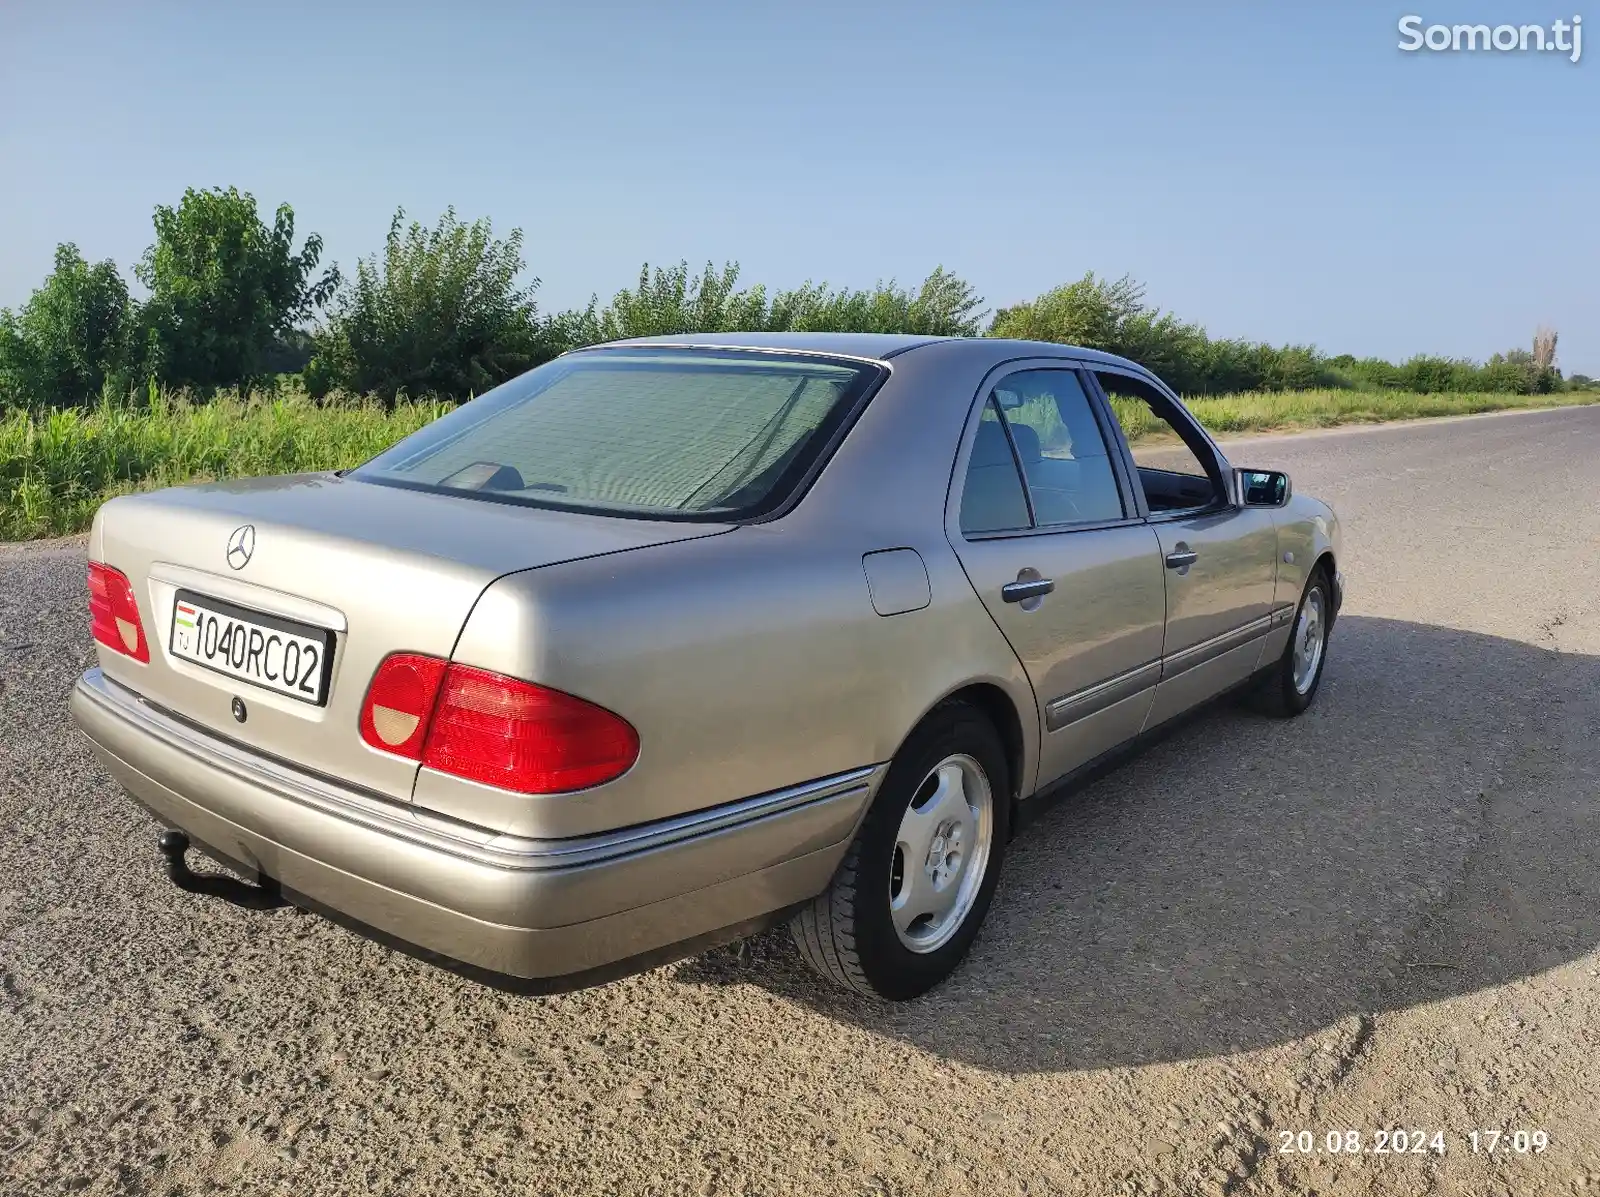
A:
{"x": 1091, "y": 313}
{"x": 439, "y": 314}
{"x": 1112, "y": 315}
{"x": 70, "y": 339}
{"x": 669, "y": 300}
{"x": 1544, "y": 348}
{"x": 225, "y": 289}
{"x": 1546, "y": 377}
{"x": 944, "y": 306}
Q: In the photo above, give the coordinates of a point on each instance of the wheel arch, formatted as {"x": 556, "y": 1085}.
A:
{"x": 1326, "y": 562}
{"x": 1001, "y": 710}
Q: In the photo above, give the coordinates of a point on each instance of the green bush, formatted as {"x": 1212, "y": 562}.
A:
{"x": 1513, "y": 373}
{"x": 225, "y": 289}
{"x": 669, "y": 300}
{"x": 70, "y": 340}
{"x": 439, "y": 314}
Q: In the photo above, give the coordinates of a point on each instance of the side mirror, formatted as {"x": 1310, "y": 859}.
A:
{"x": 1263, "y": 488}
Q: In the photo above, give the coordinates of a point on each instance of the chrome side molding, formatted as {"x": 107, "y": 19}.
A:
{"x": 1080, "y": 705}
{"x": 1208, "y": 650}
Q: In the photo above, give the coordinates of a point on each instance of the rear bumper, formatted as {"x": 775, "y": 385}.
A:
{"x": 509, "y": 908}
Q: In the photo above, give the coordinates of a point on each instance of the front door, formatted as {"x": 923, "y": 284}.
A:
{"x": 1065, "y": 565}
{"x": 1220, "y": 560}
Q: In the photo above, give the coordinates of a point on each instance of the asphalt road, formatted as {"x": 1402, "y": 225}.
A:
{"x": 1384, "y": 914}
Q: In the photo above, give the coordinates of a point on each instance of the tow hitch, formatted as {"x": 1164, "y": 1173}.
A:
{"x": 174, "y": 846}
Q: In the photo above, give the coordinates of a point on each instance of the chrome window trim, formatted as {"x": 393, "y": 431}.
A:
{"x": 397, "y": 819}
{"x": 1112, "y": 440}
{"x": 1053, "y": 529}
{"x": 1223, "y": 479}
{"x": 1189, "y": 513}
{"x": 1134, "y": 370}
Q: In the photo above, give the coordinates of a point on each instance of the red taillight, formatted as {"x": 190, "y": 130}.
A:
{"x": 497, "y": 730}
{"x": 114, "y": 614}
{"x": 512, "y": 734}
{"x": 394, "y": 717}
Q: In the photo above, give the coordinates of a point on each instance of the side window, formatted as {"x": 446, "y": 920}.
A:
{"x": 1172, "y": 471}
{"x": 992, "y": 499}
{"x": 1070, "y": 477}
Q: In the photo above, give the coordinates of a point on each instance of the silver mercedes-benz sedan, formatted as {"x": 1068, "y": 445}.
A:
{"x": 669, "y": 640}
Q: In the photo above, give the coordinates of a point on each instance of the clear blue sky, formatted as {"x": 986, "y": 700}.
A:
{"x": 1274, "y": 171}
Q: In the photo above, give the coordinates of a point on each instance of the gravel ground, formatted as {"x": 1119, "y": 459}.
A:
{"x": 1382, "y": 914}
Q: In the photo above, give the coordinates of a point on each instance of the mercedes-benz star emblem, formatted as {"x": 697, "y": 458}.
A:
{"x": 242, "y": 546}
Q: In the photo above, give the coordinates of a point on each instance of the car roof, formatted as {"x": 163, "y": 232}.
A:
{"x": 874, "y": 346}
{"x": 869, "y": 345}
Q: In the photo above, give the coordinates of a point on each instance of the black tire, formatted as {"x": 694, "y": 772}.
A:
{"x": 847, "y": 933}
{"x": 1278, "y": 695}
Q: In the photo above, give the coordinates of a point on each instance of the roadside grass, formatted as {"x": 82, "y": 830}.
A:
{"x": 56, "y": 468}
{"x": 1267, "y": 411}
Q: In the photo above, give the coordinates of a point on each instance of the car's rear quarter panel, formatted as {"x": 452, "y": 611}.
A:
{"x": 747, "y": 663}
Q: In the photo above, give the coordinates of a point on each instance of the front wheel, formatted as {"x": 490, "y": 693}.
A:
{"x": 915, "y": 884}
{"x": 1293, "y": 682}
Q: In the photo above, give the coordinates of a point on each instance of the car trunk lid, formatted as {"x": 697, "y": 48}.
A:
{"x": 383, "y": 569}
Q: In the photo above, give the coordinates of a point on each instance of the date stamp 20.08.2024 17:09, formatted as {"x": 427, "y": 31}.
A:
{"x": 1413, "y": 1141}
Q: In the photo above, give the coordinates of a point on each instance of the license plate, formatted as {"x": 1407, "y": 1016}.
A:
{"x": 276, "y": 654}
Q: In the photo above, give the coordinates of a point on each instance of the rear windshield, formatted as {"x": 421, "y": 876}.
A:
{"x": 678, "y": 434}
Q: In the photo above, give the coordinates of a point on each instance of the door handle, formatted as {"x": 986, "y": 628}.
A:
{"x": 1182, "y": 559}
{"x": 1019, "y": 592}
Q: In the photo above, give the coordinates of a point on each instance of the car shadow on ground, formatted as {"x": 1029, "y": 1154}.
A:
{"x": 1425, "y": 830}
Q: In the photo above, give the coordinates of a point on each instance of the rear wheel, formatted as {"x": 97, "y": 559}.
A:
{"x": 914, "y": 886}
{"x": 1293, "y": 682}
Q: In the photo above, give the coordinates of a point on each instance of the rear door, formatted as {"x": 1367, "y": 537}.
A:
{"x": 1220, "y": 559}
{"x": 1045, "y": 523}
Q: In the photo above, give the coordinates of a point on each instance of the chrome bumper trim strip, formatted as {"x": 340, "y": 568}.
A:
{"x": 512, "y": 853}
